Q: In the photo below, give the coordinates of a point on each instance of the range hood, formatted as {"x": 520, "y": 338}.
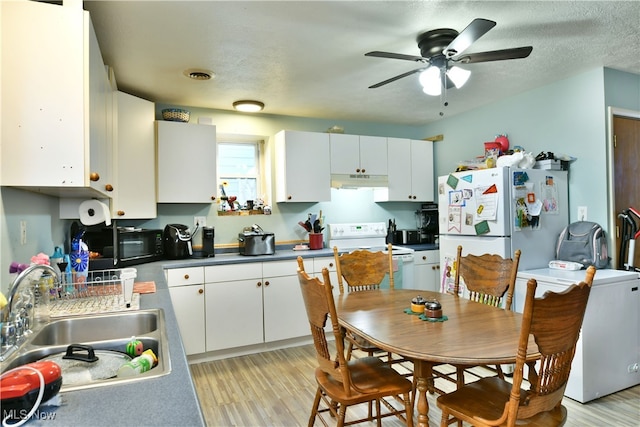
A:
{"x": 359, "y": 181}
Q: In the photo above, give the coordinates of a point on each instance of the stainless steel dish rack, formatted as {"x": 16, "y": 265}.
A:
{"x": 100, "y": 292}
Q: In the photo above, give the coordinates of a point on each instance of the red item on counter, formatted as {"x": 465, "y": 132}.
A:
{"x": 19, "y": 387}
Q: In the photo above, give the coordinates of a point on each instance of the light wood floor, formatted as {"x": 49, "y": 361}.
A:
{"x": 277, "y": 388}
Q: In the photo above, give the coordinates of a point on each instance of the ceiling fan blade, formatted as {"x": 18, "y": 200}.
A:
{"x": 495, "y": 55}
{"x": 398, "y": 77}
{"x": 396, "y": 56}
{"x": 473, "y": 32}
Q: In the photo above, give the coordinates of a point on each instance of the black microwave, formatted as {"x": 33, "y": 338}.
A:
{"x": 117, "y": 247}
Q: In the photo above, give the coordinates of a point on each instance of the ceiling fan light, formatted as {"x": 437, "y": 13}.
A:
{"x": 430, "y": 81}
{"x": 248, "y": 106}
{"x": 458, "y": 76}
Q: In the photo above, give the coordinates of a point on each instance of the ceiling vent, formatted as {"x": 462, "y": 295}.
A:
{"x": 196, "y": 74}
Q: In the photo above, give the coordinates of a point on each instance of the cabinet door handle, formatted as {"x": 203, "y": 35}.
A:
{"x": 259, "y": 284}
{"x": 266, "y": 283}
{"x": 330, "y": 264}
{"x": 108, "y": 187}
{"x": 94, "y": 176}
{"x": 213, "y": 197}
{"x": 358, "y": 170}
{"x": 120, "y": 213}
{"x": 363, "y": 170}
{"x": 186, "y": 277}
{"x": 424, "y": 257}
{"x": 200, "y": 291}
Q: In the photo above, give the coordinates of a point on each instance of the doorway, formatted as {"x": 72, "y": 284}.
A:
{"x": 624, "y": 153}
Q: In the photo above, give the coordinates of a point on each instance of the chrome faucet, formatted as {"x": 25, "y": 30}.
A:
{"x": 16, "y": 323}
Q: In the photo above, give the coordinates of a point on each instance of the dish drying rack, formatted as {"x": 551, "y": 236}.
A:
{"x": 102, "y": 291}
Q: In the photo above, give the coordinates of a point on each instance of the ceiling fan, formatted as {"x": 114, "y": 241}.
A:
{"x": 442, "y": 49}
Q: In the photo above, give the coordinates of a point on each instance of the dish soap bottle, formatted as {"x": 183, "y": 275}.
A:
{"x": 138, "y": 365}
{"x": 79, "y": 259}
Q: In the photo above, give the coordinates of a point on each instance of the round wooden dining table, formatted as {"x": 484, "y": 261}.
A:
{"x": 473, "y": 334}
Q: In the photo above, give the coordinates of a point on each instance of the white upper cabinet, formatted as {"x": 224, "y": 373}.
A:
{"x": 56, "y": 102}
{"x": 354, "y": 154}
{"x": 302, "y": 162}
{"x": 410, "y": 171}
{"x": 135, "y": 195}
{"x": 186, "y": 162}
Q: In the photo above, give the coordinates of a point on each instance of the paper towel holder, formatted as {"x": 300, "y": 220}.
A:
{"x": 93, "y": 212}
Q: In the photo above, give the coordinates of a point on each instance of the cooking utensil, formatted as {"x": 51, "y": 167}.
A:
{"x": 307, "y": 223}
{"x": 94, "y": 365}
{"x": 304, "y": 225}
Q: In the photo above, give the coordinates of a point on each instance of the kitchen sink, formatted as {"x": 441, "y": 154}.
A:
{"x": 97, "y": 328}
{"x": 102, "y": 332}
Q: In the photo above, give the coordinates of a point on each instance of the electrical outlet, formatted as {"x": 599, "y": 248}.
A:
{"x": 582, "y": 213}
{"x": 200, "y": 221}
{"x": 23, "y": 232}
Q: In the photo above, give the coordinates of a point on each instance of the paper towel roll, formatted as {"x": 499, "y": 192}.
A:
{"x": 94, "y": 212}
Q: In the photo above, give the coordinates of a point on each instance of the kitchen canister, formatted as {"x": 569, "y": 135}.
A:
{"x": 315, "y": 241}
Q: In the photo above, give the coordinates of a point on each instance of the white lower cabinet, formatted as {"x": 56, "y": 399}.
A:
{"x": 234, "y": 305}
{"x": 285, "y": 315}
{"x": 237, "y": 305}
{"x": 234, "y": 314}
{"x": 186, "y": 287}
{"x": 427, "y": 270}
{"x": 188, "y": 303}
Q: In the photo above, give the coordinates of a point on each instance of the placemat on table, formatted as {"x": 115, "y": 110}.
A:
{"x": 144, "y": 287}
{"x": 421, "y": 316}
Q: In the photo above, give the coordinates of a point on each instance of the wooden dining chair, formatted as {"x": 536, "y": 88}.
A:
{"x": 554, "y": 321}
{"x": 488, "y": 279}
{"x": 363, "y": 270}
{"x": 343, "y": 383}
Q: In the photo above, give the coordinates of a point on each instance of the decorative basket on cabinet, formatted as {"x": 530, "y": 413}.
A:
{"x": 175, "y": 115}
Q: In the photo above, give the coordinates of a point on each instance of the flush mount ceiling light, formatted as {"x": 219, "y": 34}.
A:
{"x": 198, "y": 74}
{"x": 248, "y": 106}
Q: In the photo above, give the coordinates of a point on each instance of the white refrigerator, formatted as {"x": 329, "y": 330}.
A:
{"x": 607, "y": 356}
{"x": 499, "y": 210}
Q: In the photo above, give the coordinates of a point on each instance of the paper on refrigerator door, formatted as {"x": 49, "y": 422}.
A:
{"x": 486, "y": 202}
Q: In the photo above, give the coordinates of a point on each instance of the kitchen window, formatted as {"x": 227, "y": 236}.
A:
{"x": 240, "y": 171}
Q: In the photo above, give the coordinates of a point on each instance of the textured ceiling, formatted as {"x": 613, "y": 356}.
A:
{"x": 306, "y": 58}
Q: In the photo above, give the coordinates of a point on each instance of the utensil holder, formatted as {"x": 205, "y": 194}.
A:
{"x": 315, "y": 241}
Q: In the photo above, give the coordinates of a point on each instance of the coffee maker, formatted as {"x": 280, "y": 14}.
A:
{"x": 427, "y": 222}
{"x": 208, "y": 235}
